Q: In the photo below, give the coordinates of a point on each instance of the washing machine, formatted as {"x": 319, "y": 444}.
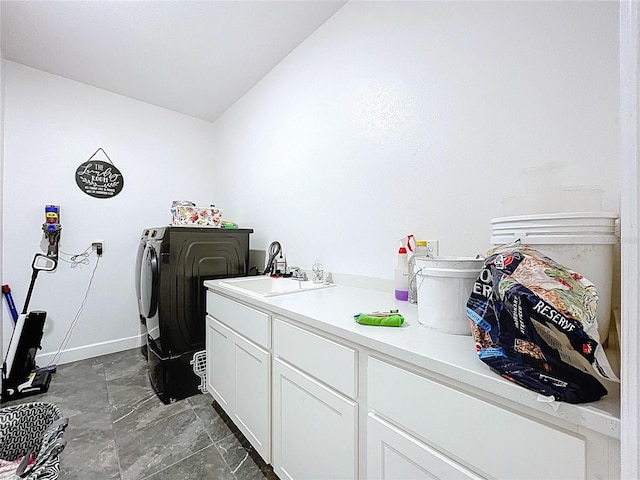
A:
{"x": 175, "y": 262}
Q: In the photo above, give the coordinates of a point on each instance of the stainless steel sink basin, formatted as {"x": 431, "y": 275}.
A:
{"x": 271, "y": 286}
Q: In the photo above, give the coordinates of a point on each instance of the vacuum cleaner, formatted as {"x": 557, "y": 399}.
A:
{"x": 20, "y": 376}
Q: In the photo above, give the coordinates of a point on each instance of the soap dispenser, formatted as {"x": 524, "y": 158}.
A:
{"x": 318, "y": 272}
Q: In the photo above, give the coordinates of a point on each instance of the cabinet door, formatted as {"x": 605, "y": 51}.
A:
{"x": 220, "y": 364}
{"x": 498, "y": 442}
{"x": 314, "y": 428}
{"x": 252, "y": 412}
{"x": 394, "y": 455}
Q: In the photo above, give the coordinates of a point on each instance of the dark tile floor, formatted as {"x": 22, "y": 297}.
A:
{"x": 119, "y": 429}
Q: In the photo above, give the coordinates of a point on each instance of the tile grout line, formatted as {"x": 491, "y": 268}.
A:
{"x": 177, "y": 462}
{"x": 113, "y": 430}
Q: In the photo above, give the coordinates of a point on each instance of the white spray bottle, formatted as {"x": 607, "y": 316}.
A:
{"x": 401, "y": 273}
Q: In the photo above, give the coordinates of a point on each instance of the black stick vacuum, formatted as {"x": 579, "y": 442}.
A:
{"x": 20, "y": 376}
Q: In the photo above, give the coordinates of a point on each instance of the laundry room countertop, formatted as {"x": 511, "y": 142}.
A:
{"x": 331, "y": 310}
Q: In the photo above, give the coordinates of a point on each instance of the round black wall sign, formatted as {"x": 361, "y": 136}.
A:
{"x": 99, "y": 179}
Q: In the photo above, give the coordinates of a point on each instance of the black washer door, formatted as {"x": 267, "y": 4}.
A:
{"x": 149, "y": 275}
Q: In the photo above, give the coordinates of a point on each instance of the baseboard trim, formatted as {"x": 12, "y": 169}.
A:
{"x": 90, "y": 351}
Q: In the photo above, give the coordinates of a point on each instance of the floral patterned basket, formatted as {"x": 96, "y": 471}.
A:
{"x": 31, "y": 441}
{"x": 196, "y": 216}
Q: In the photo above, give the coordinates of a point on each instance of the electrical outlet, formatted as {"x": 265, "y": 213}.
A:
{"x": 98, "y": 245}
{"x": 434, "y": 246}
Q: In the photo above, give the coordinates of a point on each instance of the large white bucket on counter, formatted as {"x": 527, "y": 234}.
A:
{"x": 444, "y": 285}
{"x": 583, "y": 242}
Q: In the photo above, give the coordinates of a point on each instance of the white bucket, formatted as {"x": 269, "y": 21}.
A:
{"x": 583, "y": 242}
{"x": 444, "y": 287}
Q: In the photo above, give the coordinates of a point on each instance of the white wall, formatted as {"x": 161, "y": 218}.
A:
{"x": 392, "y": 118}
{"x": 417, "y": 117}
{"x": 52, "y": 126}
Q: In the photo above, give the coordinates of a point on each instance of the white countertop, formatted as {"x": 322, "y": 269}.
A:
{"x": 453, "y": 356}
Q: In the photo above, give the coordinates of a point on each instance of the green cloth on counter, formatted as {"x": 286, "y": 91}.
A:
{"x": 389, "y": 320}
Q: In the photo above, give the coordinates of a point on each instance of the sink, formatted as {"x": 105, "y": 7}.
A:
{"x": 272, "y": 286}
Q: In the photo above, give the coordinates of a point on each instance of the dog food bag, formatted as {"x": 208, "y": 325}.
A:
{"x": 534, "y": 322}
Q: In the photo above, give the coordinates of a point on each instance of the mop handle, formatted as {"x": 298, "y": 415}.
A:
{"x": 33, "y": 281}
{"x": 9, "y": 298}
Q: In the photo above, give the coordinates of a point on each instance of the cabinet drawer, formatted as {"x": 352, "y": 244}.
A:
{"x": 393, "y": 454}
{"x": 495, "y": 441}
{"x": 324, "y": 359}
{"x": 248, "y": 322}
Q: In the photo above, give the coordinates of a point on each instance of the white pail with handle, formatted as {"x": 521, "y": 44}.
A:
{"x": 583, "y": 242}
{"x": 444, "y": 285}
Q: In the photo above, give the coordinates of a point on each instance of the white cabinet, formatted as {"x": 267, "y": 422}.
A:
{"x": 238, "y": 377}
{"x": 315, "y": 416}
{"x": 239, "y": 370}
{"x": 219, "y": 347}
{"x": 333, "y": 363}
{"x": 470, "y": 433}
{"x": 316, "y": 406}
{"x": 395, "y": 455}
{"x": 314, "y": 428}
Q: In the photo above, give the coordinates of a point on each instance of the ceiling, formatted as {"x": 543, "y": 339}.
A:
{"x": 192, "y": 57}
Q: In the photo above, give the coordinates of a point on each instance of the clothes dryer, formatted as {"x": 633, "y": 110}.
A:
{"x": 175, "y": 263}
